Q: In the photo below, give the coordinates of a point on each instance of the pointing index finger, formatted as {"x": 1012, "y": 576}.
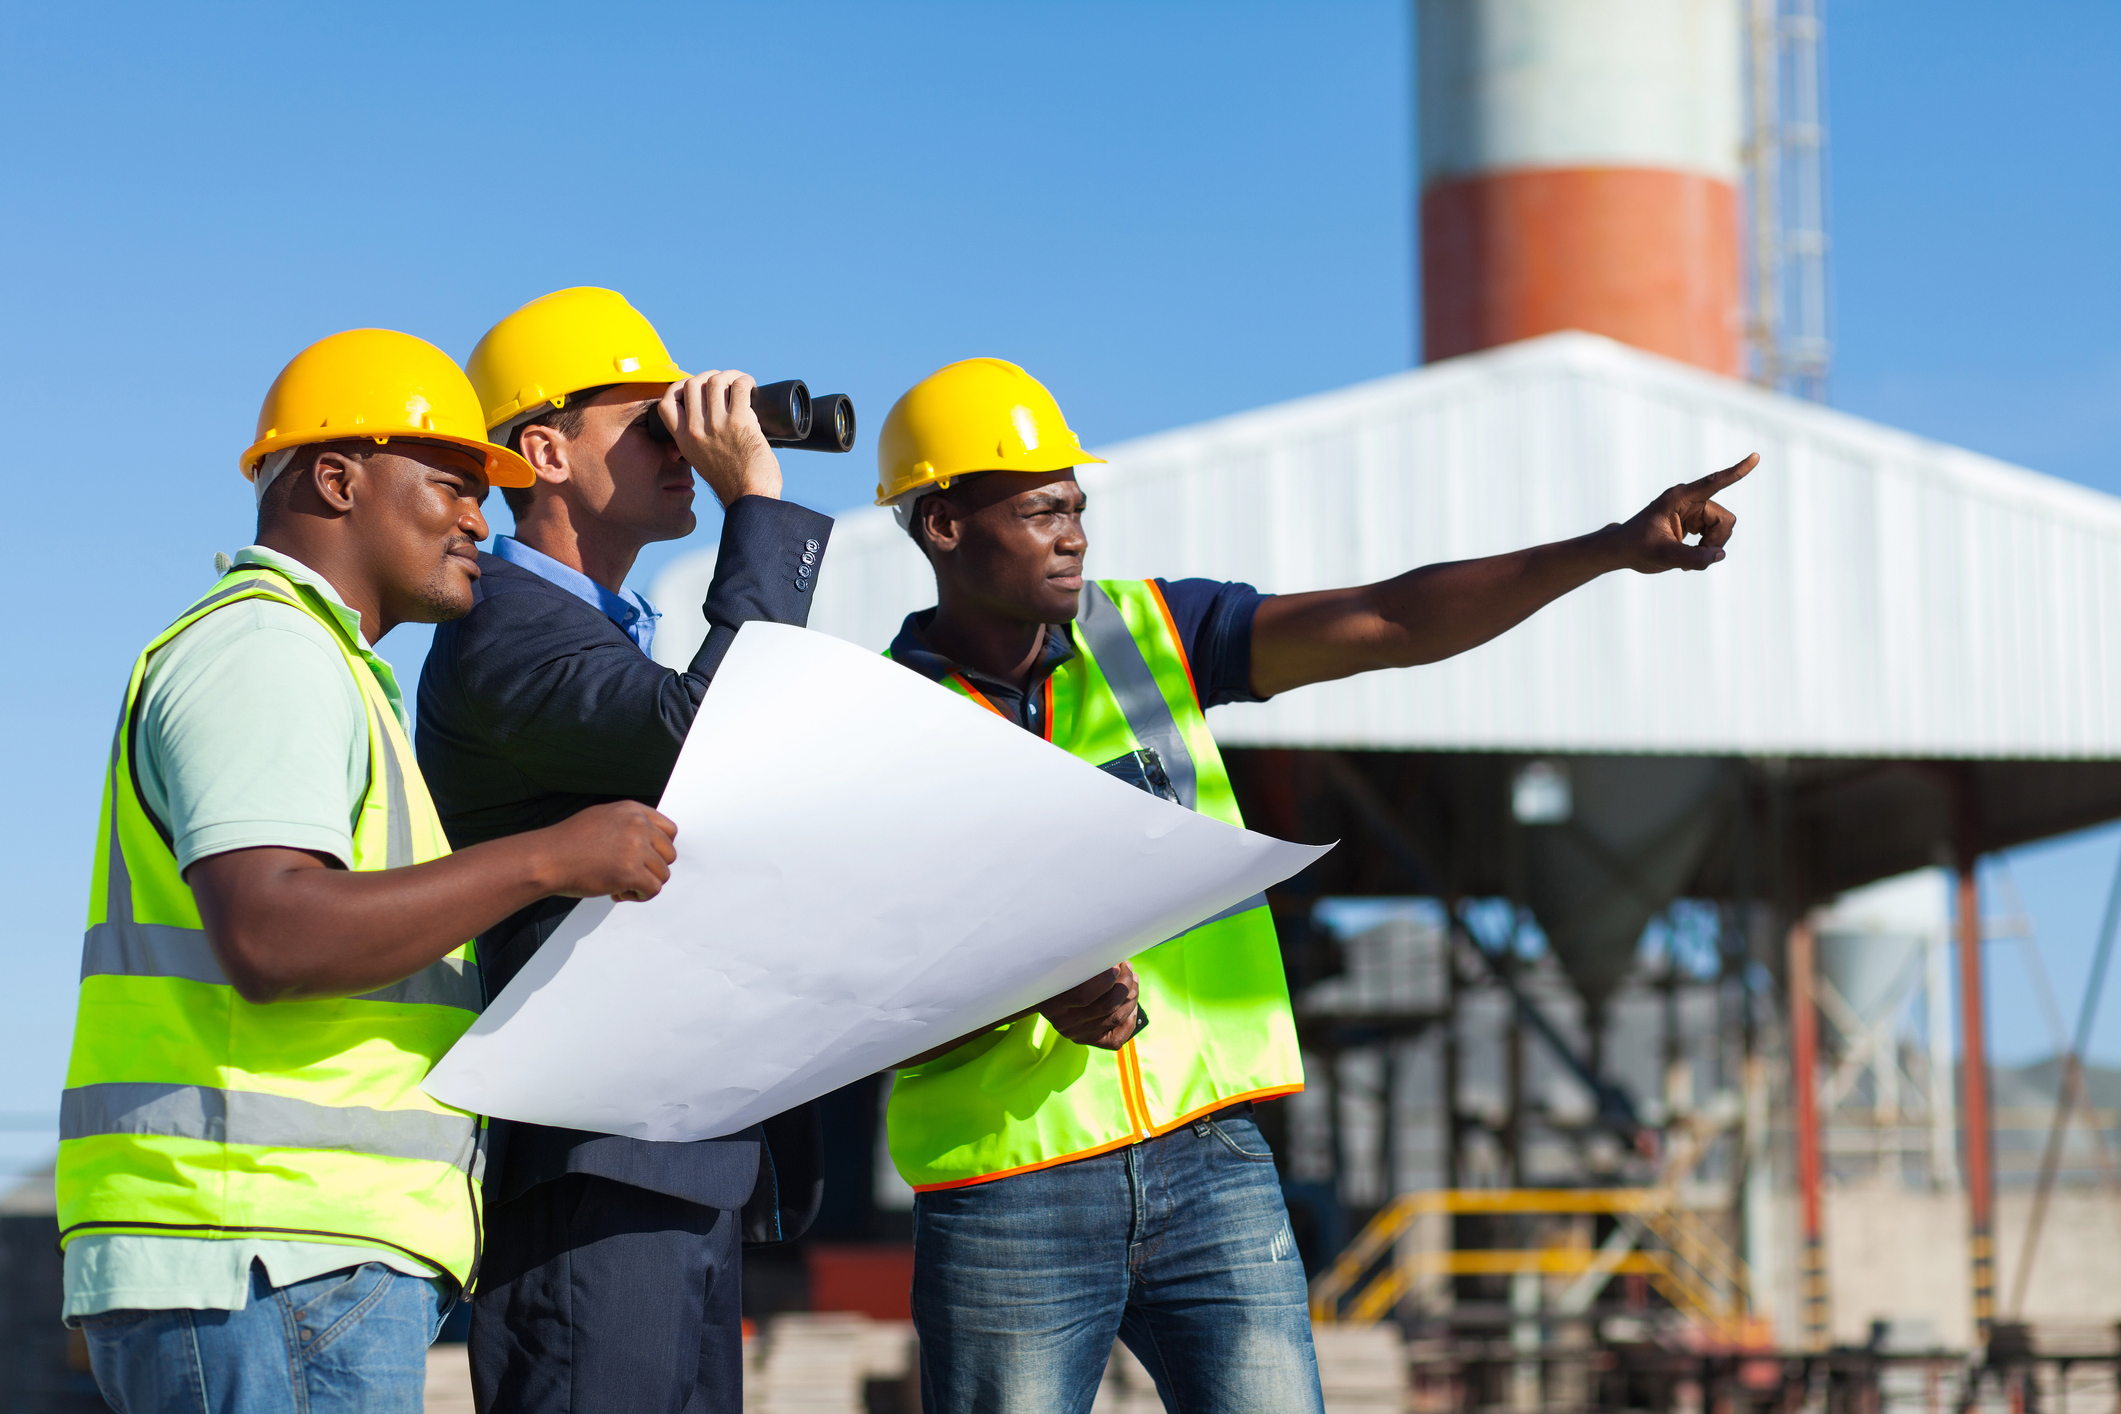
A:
{"x": 1709, "y": 485}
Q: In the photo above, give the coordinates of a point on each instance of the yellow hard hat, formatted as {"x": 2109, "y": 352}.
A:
{"x": 382, "y": 384}
{"x": 984, "y": 414}
{"x": 562, "y": 343}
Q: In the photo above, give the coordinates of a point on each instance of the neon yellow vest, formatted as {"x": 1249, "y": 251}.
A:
{"x": 191, "y": 1112}
{"x": 1023, "y": 1096}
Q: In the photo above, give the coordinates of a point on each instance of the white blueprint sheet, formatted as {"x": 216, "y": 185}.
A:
{"x": 869, "y": 865}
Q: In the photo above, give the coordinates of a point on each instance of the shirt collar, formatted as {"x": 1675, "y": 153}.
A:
{"x": 911, "y": 647}
{"x": 292, "y": 568}
{"x": 349, "y": 619}
{"x": 634, "y": 615}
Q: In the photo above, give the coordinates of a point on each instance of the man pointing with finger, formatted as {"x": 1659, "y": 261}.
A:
{"x": 611, "y": 1278}
{"x": 1091, "y": 1169}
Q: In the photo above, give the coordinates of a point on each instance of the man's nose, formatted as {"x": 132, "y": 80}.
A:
{"x": 473, "y": 523}
{"x": 1073, "y": 541}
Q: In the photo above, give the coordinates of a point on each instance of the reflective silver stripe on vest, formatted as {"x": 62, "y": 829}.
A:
{"x": 268, "y": 1121}
{"x": 1147, "y": 712}
{"x": 164, "y": 950}
{"x": 449, "y": 982}
{"x": 397, "y": 849}
{"x": 122, "y": 949}
{"x": 1134, "y": 688}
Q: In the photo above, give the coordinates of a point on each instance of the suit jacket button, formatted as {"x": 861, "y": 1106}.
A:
{"x": 810, "y": 545}
{"x": 802, "y": 584}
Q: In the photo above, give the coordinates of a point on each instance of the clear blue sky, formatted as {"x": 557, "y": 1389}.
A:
{"x": 1168, "y": 211}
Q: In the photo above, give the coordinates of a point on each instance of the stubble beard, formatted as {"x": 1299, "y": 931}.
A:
{"x": 446, "y": 595}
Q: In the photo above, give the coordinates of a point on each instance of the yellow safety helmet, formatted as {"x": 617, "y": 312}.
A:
{"x": 562, "y": 343}
{"x": 381, "y": 384}
{"x": 984, "y": 414}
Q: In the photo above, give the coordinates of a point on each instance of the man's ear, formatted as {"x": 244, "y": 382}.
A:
{"x": 547, "y": 452}
{"x": 939, "y": 529}
{"x": 333, "y": 477}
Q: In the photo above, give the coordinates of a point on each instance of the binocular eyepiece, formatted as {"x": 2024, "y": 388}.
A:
{"x": 790, "y": 417}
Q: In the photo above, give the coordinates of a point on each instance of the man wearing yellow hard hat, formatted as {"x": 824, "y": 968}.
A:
{"x": 260, "y": 1208}
{"x": 1091, "y": 1170}
{"x": 612, "y": 1278}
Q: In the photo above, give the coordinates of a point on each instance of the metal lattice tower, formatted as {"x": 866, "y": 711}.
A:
{"x": 1785, "y": 158}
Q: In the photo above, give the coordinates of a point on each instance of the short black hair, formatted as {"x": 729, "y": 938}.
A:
{"x": 567, "y": 421}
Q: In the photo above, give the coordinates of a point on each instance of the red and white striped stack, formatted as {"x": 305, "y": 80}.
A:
{"x": 1580, "y": 168}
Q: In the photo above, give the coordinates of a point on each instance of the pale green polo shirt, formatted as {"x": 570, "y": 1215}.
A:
{"x": 251, "y": 734}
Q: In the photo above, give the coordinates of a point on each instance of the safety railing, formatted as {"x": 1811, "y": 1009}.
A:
{"x": 1681, "y": 1256}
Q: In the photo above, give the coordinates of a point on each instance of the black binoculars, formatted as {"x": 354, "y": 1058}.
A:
{"x": 790, "y": 417}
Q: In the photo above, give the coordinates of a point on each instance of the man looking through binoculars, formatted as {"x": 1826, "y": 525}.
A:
{"x": 612, "y": 1265}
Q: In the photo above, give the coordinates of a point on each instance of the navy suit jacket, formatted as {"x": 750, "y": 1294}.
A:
{"x": 535, "y": 705}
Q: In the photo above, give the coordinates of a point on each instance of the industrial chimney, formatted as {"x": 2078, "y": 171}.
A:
{"x": 1579, "y": 170}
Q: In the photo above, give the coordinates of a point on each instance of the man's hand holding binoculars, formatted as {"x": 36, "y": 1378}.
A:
{"x": 710, "y": 417}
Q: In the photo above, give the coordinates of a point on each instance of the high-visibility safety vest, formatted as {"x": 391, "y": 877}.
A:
{"x": 190, "y": 1112}
{"x": 1220, "y": 1031}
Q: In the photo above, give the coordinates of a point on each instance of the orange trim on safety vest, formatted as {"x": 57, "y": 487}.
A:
{"x": 965, "y": 685}
{"x": 1045, "y": 726}
{"x": 1270, "y": 1093}
{"x": 1029, "y": 1168}
{"x": 1131, "y": 1093}
{"x": 1185, "y": 659}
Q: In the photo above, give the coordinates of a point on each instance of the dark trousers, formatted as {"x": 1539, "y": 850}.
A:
{"x": 596, "y": 1296}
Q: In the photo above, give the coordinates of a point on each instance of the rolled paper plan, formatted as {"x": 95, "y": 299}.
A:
{"x": 869, "y": 865}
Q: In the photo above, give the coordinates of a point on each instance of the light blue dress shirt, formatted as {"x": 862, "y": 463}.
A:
{"x": 632, "y": 612}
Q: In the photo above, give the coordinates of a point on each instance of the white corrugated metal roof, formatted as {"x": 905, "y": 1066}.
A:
{"x": 1884, "y": 596}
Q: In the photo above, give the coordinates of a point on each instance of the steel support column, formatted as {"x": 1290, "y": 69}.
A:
{"x": 1813, "y": 1297}
{"x": 1974, "y": 1105}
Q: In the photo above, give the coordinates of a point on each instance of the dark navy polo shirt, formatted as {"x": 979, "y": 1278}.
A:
{"x": 1213, "y": 618}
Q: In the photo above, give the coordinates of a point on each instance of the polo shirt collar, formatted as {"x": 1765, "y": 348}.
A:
{"x": 911, "y": 648}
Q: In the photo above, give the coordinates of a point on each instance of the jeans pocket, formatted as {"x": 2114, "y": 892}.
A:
{"x": 108, "y": 1335}
{"x": 327, "y": 1309}
{"x": 1242, "y": 1138}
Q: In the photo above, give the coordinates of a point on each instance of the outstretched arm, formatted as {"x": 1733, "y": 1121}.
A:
{"x": 1438, "y": 611}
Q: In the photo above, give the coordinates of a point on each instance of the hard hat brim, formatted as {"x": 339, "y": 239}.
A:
{"x": 504, "y": 413}
{"x": 1074, "y": 459}
{"x": 503, "y": 467}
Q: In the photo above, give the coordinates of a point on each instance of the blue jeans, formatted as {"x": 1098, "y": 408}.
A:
{"x": 348, "y": 1342}
{"x": 1179, "y": 1246}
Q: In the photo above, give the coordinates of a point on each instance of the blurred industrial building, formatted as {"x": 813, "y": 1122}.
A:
{"x": 1642, "y": 997}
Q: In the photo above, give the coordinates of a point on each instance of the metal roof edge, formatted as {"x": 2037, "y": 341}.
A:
{"x": 1584, "y": 354}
